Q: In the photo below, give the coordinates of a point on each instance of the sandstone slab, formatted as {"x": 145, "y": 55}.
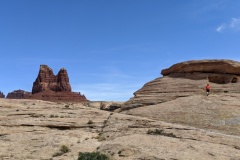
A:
{"x": 35, "y": 130}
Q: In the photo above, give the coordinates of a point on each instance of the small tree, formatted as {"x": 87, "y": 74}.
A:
{"x": 92, "y": 156}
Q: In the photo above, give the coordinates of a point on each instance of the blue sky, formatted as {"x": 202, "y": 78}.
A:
{"x": 111, "y": 48}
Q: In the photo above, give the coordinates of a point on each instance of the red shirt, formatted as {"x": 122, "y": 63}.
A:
{"x": 207, "y": 86}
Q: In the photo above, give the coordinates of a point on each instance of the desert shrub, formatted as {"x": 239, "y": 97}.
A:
{"x": 155, "y": 131}
{"x": 35, "y": 115}
{"x": 160, "y": 132}
{"x": 67, "y": 106}
{"x": 92, "y": 156}
{"x": 100, "y": 137}
{"x": 62, "y": 150}
{"x": 90, "y": 122}
{"x": 105, "y": 122}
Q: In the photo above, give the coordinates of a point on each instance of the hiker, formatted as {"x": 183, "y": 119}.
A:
{"x": 207, "y": 89}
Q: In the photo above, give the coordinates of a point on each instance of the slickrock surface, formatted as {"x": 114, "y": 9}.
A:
{"x": 19, "y": 94}
{"x": 35, "y": 130}
{"x": 2, "y": 95}
{"x": 216, "y": 112}
{"x": 187, "y": 79}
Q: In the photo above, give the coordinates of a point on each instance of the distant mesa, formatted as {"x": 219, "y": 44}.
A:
{"x": 186, "y": 79}
{"x": 19, "y": 94}
{"x": 2, "y": 95}
{"x": 49, "y": 87}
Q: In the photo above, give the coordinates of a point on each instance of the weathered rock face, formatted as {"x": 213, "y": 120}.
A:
{"x": 2, "y": 95}
{"x": 204, "y": 66}
{"x": 18, "y": 94}
{"x": 46, "y": 80}
{"x": 49, "y": 87}
{"x": 223, "y": 79}
{"x": 32, "y": 129}
{"x": 187, "y": 79}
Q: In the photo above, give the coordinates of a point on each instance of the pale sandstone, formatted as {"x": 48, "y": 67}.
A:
{"x": 34, "y": 129}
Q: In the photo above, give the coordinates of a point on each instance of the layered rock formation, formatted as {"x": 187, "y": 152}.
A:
{"x": 49, "y": 87}
{"x": 2, "y": 95}
{"x": 187, "y": 79}
{"x": 19, "y": 94}
{"x": 46, "y": 80}
{"x": 204, "y": 66}
{"x": 36, "y": 130}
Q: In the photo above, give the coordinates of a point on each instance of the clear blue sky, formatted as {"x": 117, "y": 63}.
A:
{"x": 111, "y": 48}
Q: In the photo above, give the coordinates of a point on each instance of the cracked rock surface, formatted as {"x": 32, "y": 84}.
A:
{"x": 35, "y": 130}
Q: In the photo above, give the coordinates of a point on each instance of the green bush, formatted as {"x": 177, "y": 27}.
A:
{"x": 90, "y": 122}
{"x": 63, "y": 149}
{"x": 160, "y": 132}
{"x": 156, "y": 131}
{"x": 92, "y": 156}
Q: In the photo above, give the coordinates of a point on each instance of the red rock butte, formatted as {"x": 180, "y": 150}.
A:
{"x": 46, "y": 80}
{"x": 49, "y": 87}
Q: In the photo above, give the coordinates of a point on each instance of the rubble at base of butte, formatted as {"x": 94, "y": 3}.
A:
{"x": 187, "y": 79}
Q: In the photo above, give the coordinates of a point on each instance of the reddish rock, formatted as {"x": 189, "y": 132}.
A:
{"x": 18, "y": 94}
{"x": 46, "y": 80}
{"x": 63, "y": 96}
{"x": 2, "y": 95}
{"x": 49, "y": 87}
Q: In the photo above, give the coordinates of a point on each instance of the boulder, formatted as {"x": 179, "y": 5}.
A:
{"x": 18, "y": 94}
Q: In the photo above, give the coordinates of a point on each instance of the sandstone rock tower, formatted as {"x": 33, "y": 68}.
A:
{"x": 46, "y": 80}
{"x": 49, "y": 87}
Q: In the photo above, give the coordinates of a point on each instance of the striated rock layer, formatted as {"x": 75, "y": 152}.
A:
{"x": 204, "y": 66}
{"x": 37, "y": 130}
{"x": 2, "y": 95}
{"x": 187, "y": 79}
{"x": 59, "y": 96}
{"x": 49, "y": 87}
{"x": 18, "y": 94}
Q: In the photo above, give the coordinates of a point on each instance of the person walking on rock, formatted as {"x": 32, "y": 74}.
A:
{"x": 207, "y": 89}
